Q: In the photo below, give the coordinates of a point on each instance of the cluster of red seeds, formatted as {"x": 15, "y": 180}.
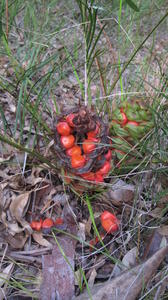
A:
{"x": 45, "y": 224}
{"x": 83, "y": 146}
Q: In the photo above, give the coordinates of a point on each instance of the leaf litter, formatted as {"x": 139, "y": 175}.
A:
{"x": 38, "y": 197}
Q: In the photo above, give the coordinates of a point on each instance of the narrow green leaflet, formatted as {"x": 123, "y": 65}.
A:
{"x": 132, "y": 5}
{"x": 2, "y": 6}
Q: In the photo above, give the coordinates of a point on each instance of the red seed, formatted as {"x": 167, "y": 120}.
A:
{"x": 77, "y": 161}
{"x": 63, "y": 128}
{"x": 67, "y": 141}
{"x": 98, "y": 177}
{"x": 104, "y": 170}
{"x": 109, "y": 222}
{"x": 36, "y": 225}
{"x": 93, "y": 139}
{"x": 58, "y": 221}
{"x": 88, "y": 146}
{"x": 47, "y": 223}
{"x": 108, "y": 155}
{"x": 92, "y": 134}
{"x": 88, "y": 176}
{"x": 75, "y": 150}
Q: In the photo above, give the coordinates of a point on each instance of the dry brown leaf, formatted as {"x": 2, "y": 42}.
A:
{"x": 5, "y": 195}
{"x": 4, "y": 277}
{"x": 128, "y": 285}
{"x": 92, "y": 278}
{"x": 16, "y": 242}
{"x": 121, "y": 193}
{"x": 18, "y": 205}
{"x": 38, "y": 237}
{"x": 163, "y": 201}
{"x": 18, "y": 208}
{"x": 129, "y": 259}
{"x": 14, "y": 228}
{"x": 156, "y": 213}
{"x": 88, "y": 226}
{"x": 158, "y": 239}
{"x": 163, "y": 230}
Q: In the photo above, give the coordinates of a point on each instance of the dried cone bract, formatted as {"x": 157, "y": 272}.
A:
{"x": 84, "y": 150}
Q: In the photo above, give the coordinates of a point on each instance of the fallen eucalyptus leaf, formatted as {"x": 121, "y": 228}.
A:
{"x": 120, "y": 193}
{"x": 157, "y": 240}
{"x": 16, "y": 242}
{"x": 18, "y": 205}
{"x": 38, "y": 237}
{"x": 163, "y": 230}
{"x": 156, "y": 213}
{"x": 92, "y": 278}
{"x": 14, "y": 228}
{"x": 129, "y": 259}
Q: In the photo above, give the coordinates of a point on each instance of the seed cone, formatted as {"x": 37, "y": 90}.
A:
{"x": 131, "y": 121}
{"x": 85, "y": 159}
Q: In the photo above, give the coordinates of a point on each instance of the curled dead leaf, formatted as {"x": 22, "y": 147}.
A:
{"x": 38, "y": 237}
{"x": 14, "y": 228}
{"x": 18, "y": 206}
{"x": 119, "y": 194}
{"x": 156, "y": 240}
{"x": 16, "y": 242}
{"x": 156, "y": 213}
{"x": 129, "y": 259}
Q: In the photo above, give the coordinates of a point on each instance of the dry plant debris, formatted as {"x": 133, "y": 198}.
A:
{"x": 128, "y": 285}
